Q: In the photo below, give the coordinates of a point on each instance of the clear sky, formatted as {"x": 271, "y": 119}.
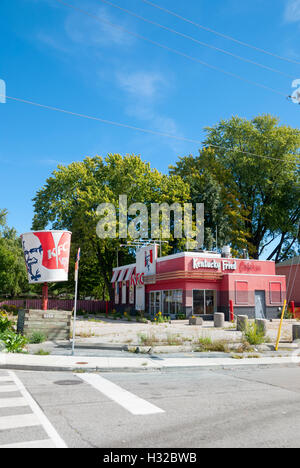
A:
{"x": 56, "y": 56}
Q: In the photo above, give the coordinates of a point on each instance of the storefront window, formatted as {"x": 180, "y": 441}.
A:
{"x": 167, "y": 302}
{"x": 204, "y": 302}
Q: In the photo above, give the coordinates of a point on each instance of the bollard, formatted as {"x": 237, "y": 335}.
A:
{"x": 219, "y": 320}
{"x": 262, "y": 325}
{"x": 231, "y": 311}
{"x": 242, "y": 322}
{"x": 196, "y": 321}
{"x": 296, "y": 332}
{"x": 293, "y": 309}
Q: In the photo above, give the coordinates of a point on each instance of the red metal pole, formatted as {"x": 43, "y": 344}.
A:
{"x": 231, "y": 311}
{"x": 106, "y": 304}
{"x": 45, "y": 296}
{"x": 293, "y": 309}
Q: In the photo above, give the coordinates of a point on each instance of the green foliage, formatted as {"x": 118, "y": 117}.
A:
{"x": 206, "y": 344}
{"x": 37, "y": 337}
{"x": 13, "y": 277}
{"x": 14, "y": 343}
{"x": 42, "y": 352}
{"x": 254, "y": 335}
{"x": 251, "y": 199}
{"x": 11, "y": 309}
{"x": 5, "y": 323}
{"x": 70, "y": 198}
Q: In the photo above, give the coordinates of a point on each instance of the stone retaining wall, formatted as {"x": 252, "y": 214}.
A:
{"x": 54, "y": 324}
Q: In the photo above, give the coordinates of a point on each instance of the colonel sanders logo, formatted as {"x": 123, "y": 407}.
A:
{"x": 47, "y": 255}
{"x": 148, "y": 260}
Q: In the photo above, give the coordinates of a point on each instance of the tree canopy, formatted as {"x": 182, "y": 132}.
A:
{"x": 247, "y": 174}
{"x": 13, "y": 276}
{"x": 70, "y": 198}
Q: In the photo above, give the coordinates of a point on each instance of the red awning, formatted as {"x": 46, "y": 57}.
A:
{"x": 115, "y": 276}
{"x": 122, "y": 274}
{"x": 130, "y": 272}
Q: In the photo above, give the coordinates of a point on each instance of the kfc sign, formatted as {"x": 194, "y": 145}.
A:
{"x": 47, "y": 255}
{"x": 137, "y": 279}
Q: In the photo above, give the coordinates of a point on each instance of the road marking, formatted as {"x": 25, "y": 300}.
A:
{"x": 37, "y": 418}
{"x": 8, "y": 388}
{"x": 20, "y": 420}
{"x": 5, "y": 378}
{"x": 12, "y": 402}
{"x": 48, "y": 443}
{"x": 127, "y": 400}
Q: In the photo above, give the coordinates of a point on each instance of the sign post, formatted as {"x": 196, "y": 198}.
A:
{"x": 75, "y": 300}
{"x": 280, "y": 326}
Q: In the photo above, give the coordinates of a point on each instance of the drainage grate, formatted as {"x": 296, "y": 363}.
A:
{"x": 68, "y": 382}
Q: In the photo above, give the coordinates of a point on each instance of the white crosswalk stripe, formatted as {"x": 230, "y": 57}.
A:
{"x": 9, "y": 383}
{"x": 132, "y": 403}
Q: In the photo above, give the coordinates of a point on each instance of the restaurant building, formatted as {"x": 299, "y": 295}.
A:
{"x": 291, "y": 269}
{"x": 198, "y": 283}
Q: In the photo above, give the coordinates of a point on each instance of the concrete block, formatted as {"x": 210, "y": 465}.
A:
{"x": 242, "y": 323}
{"x": 219, "y": 320}
{"x": 196, "y": 321}
{"x": 262, "y": 325}
{"x": 296, "y": 332}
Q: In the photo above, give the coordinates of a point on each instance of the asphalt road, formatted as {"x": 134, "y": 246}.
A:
{"x": 253, "y": 407}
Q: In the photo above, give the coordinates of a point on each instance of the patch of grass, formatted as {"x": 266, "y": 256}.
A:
{"x": 207, "y": 345}
{"x": 85, "y": 334}
{"x": 42, "y": 352}
{"x": 174, "y": 340}
{"x": 148, "y": 340}
{"x": 237, "y": 356}
{"x": 254, "y": 335}
{"x": 244, "y": 347}
{"x": 37, "y": 338}
{"x": 253, "y": 356}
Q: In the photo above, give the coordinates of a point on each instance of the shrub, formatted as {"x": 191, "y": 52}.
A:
{"x": 181, "y": 317}
{"x": 254, "y": 335}
{"x": 13, "y": 342}
{"x": 287, "y": 314}
{"x": 11, "y": 309}
{"x": 160, "y": 318}
{"x": 5, "y": 323}
{"x": 37, "y": 338}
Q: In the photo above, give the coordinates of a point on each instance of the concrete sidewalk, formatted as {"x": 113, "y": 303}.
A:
{"x": 134, "y": 364}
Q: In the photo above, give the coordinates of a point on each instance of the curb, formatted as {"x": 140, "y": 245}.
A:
{"x": 164, "y": 365}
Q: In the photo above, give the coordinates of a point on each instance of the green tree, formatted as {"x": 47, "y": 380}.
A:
{"x": 70, "y": 198}
{"x": 247, "y": 175}
{"x": 13, "y": 277}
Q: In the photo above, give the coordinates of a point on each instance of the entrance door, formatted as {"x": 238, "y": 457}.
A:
{"x": 260, "y": 304}
{"x": 204, "y": 302}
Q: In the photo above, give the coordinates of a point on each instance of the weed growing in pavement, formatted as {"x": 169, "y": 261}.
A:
{"x": 37, "y": 338}
{"x": 207, "y": 345}
{"x": 148, "y": 340}
{"x": 254, "y": 335}
{"x": 42, "y": 352}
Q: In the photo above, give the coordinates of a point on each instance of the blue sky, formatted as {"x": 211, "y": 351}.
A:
{"x": 56, "y": 56}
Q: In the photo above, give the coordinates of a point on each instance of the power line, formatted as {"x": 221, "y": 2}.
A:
{"x": 144, "y": 130}
{"x": 182, "y": 54}
{"x": 230, "y": 38}
{"x": 204, "y": 44}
